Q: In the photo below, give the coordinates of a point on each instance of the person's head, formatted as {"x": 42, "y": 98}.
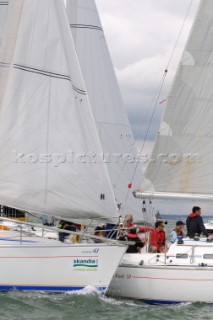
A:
{"x": 196, "y": 210}
{"x": 159, "y": 225}
{"x": 180, "y": 225}
{"x": 128, "y": 219}
{"x": 99, "y": 231}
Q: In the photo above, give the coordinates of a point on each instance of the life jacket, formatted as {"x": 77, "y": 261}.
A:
{"x": 180, "y": 234}
{"x": 61, "y": 224}
{"x": 141, "y": 229}
{"x": 130, "y": 225}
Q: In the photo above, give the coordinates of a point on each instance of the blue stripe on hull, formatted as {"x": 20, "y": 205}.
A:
{"x": 161, "y": 302}
{"x": 19, "y": 241}
{"x": 170, "y": 302}
{"x": 45, "y": 288}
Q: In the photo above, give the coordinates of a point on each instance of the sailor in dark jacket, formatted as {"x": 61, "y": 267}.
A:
{"x": 194, "y": 223}
{"x": 66, "y": 225}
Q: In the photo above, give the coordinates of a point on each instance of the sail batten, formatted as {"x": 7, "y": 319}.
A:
{"x": 47, "y": 130}
{"x": 181, "y": 161}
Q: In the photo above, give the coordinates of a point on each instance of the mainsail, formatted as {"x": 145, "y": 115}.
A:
{"x": 181, "y": 164}
{"x": 110, "y": 116}
{"x": 3, "y": 16}
{"x": 47, "y": 130}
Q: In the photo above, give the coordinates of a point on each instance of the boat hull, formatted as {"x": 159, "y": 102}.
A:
{"x": 163, "y": 285}
{"x": 49, "y": 267}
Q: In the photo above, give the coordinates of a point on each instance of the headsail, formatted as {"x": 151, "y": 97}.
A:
{"x": 47, "y": 130}
{"x": 106, "y": 102}
{"x": 181, "y": 164}
{"x": 3, "y": 16}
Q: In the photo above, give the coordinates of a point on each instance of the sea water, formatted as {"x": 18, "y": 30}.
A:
{"x": 91, "y": 305}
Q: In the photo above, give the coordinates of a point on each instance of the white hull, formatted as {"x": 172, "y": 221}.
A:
{"x": 165, "y": 285}
{"x": 48, "y": 265}
{"x": 154, "y": 279}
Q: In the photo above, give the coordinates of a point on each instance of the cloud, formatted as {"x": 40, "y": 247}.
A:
{"x": 140, "y": 29}
{"x": 141, "y": 36}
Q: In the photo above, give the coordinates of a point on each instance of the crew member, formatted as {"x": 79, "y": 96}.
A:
{"x": 157, "y": 238}
{"x": 138, "y": 243}
{"x": 128, "y": 224}
{"x": 178, "y": 231}
{"x": 194, "y": 223}
{"x": 66, "y": 225}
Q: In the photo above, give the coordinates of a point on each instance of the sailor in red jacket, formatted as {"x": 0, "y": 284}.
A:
{"x": 157, "y": 238}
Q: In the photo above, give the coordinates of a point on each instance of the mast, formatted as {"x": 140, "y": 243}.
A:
{"x": 47, "y": 130}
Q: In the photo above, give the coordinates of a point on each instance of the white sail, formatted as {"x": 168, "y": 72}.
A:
{"x": 46, "y": 123}
{"x": 181, "y": 164}
{"x": 106, "y": 102}
{"x": 3, "y": 16}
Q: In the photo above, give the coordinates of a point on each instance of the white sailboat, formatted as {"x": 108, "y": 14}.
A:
{"x": 107, "y": 106}
{"x": 181, "y": 168}
{"x": 47, "y": 131}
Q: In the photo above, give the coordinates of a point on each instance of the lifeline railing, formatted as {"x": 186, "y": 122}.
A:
{"x": 82, "y": 234}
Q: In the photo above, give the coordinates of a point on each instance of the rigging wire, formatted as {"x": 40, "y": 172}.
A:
{"x": 172, "y": 114}
{"x": 149, "y": 126}
{"x": 179, "y": 35}
{"x": 159, "y": 90}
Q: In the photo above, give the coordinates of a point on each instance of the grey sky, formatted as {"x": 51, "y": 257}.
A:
{"x": 141, "y": 35}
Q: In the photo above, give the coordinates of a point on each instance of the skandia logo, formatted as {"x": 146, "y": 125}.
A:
{"x": 88, "y": 263}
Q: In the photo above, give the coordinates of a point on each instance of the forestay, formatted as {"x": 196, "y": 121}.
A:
{"x": 46, "y": 123}
{"x": 181, "y": 162}
{"x": 110, "y": 116}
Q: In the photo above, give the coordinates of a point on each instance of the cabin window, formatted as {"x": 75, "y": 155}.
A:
{"x": 208, "y": 256}
{"x": 182, "y": 256}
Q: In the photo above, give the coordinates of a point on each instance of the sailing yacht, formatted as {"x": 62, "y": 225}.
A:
{"x": 181, "y": 169}
{"x": 47, "y": 133}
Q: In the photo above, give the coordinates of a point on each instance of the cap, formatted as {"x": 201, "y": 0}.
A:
{"x": 180, "y": 223}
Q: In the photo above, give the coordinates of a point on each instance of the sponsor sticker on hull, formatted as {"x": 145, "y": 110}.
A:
{"x": 85, "y": 264}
